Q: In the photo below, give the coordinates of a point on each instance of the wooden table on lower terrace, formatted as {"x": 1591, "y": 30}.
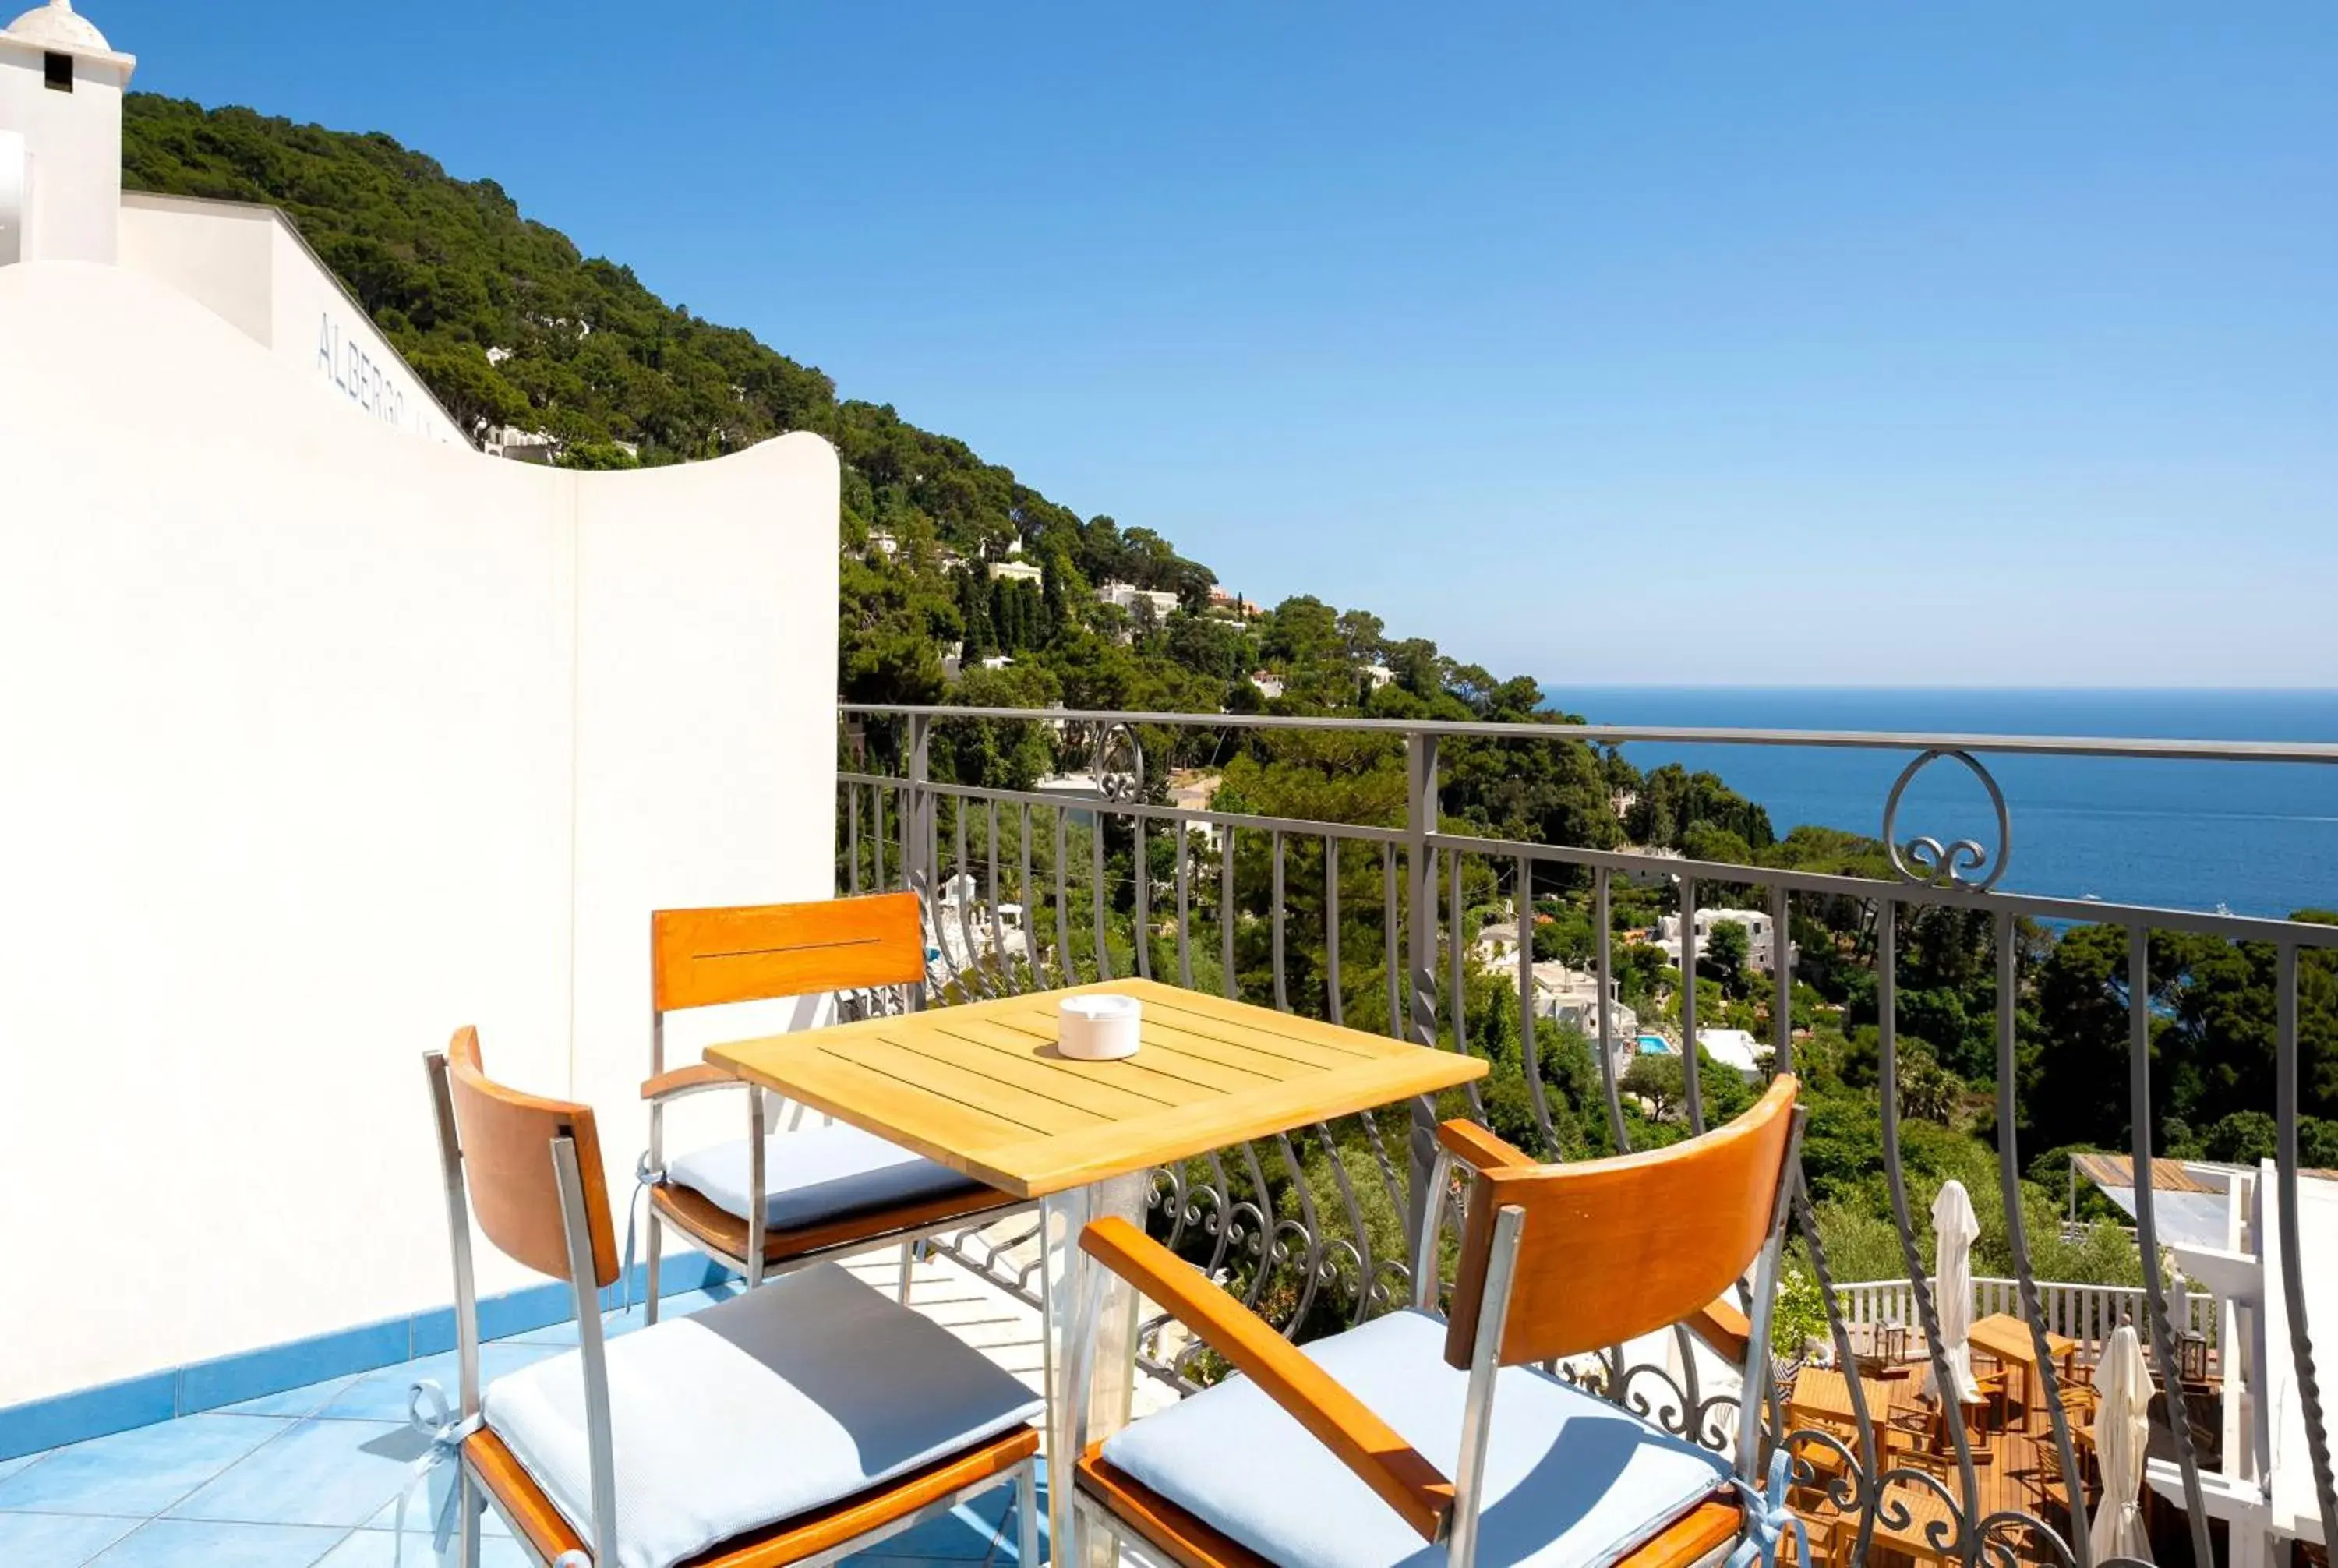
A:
{"x": 1826, "y": 1395}
{"x": 2009, "y": 1339}
{"x": 2015, "y": 1473}
{"x": 983, "y": 1090}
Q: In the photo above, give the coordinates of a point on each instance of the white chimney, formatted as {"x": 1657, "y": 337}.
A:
{"x": 61, "y": 87}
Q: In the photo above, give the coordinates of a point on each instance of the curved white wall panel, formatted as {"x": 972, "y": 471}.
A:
{"x": 316, "y": 742}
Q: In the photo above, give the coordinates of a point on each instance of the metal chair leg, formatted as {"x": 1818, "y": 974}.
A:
{"x": 1075, "y": 1550}
{"x": 472, "y": 1504}
{"x": 1027, "y": 1516}
{"x": 650, "y": 1287}
{"x": 909, "y": 1262}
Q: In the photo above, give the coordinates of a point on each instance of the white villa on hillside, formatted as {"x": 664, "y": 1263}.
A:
{"x": 954, "y": 662}
{"x": 1572, "y": 997}
{"x": 1128, "y": 596}
{"x": 1755, "y": 922}
{"x": 1496, "y": 944}
{"x": 1734, "y": 1048}
{"x": 1567, "y": 996}
{"x": 1015, "y": 572}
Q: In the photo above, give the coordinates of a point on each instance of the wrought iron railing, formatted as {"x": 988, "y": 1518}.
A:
{"x": 1022, "y": 892}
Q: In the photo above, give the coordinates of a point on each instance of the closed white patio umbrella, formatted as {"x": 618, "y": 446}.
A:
{"x": 1954, "y": 1230}
{"x": 2122, "y": 1435}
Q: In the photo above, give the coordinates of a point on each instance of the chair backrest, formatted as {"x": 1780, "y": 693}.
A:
{"x": 758, "y": 951}
{"x": 1614, "y": 1248}
{"x": 507, "y": 1140}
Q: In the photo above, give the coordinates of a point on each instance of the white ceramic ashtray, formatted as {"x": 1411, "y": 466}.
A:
{"x": 1097, "y": 1028}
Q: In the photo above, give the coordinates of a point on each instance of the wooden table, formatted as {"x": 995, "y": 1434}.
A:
{"x": 983, "y": 1090}
{"x": 1826, "y": 1395}
{"x": 2007, "y": 1338}
{"x": 1821, "y": 1397}
{"x": 2012, "y": 1471}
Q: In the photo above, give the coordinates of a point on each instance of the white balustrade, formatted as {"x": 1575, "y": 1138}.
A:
{"x": 2086, "y": 1313}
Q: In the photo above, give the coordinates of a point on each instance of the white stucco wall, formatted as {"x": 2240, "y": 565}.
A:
{"x": 216, "y": 252}
{"x": 318, "y": 743}
{"x": 319, "y": 326}
{"x": 246, "y": 262}
{"x": 15, "y": 167}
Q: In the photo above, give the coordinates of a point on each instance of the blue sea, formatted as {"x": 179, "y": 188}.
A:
{"x": 2258, "y": 838}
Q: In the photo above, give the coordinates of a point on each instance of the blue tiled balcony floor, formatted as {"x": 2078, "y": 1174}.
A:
{"x": 312, "y": 1476}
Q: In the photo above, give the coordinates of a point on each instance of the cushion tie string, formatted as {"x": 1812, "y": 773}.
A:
{"x": 645, "y": 1176}
{"x": 427, "y": 1413}
{"x": 1768, "y": 1519}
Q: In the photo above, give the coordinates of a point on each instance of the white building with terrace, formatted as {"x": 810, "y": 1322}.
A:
{"x": 1128, "y": 596}
{"x": 1760, "y": 951}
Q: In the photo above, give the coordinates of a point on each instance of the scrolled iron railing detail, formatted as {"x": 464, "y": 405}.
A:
{"x": 1996, "y": 1536}
{"x": 1117, "y": 762}
{"x": 1929, "y": 862}
{"x": 1842, "y": 1484}
{"x": 1955, "y": 1536}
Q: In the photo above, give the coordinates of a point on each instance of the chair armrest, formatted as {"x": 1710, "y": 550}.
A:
{"x": 1723, "y": 1326}
{"x": 1478, "y": 1148}
{"x": 1404, "y": 1479}
{"x": 694, "y": 1079}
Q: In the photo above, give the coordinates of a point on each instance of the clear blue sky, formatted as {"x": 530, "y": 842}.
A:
{"x": 1853, "y": 343}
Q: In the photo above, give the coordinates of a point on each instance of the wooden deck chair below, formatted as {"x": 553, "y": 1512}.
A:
{"x": 1411, "y": 1431}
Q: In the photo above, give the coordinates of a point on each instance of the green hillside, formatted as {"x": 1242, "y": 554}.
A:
{"x": 450, "y": 269}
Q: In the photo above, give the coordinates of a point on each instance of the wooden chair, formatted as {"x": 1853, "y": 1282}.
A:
{"x": 787, "y": 1423}
{"x": 1832, "y": 1535}
{"x": 1996, "y": 1395}
{"x": 1826, "y": 1463}
{"x": 1426, "y": 1430}
{"x": 1916, "y": 1443}
{"x": 833, "y": 1189}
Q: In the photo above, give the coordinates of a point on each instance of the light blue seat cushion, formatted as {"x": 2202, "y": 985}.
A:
{"x": 774, "y": 1403}
{"x": 815, "y": 1173}
{"x": 1571, "y": 1480}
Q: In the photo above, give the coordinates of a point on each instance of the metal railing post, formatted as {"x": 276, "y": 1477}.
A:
{"x": 917, "y": 846}
{"x": 918, "y": 809}
{"x": 1420, "y": 876}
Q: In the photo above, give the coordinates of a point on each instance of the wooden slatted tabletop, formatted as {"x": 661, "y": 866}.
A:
{"x": 2007, "y": 1338}
{"x": 982, "y": 1088}
{"x": 1826, "y": 1395}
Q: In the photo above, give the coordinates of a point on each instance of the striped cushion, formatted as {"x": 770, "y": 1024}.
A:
{"x": 815, "y": 1174}
{"x": 1571, "y": 1482}
{"x": 768, "y": 1405}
